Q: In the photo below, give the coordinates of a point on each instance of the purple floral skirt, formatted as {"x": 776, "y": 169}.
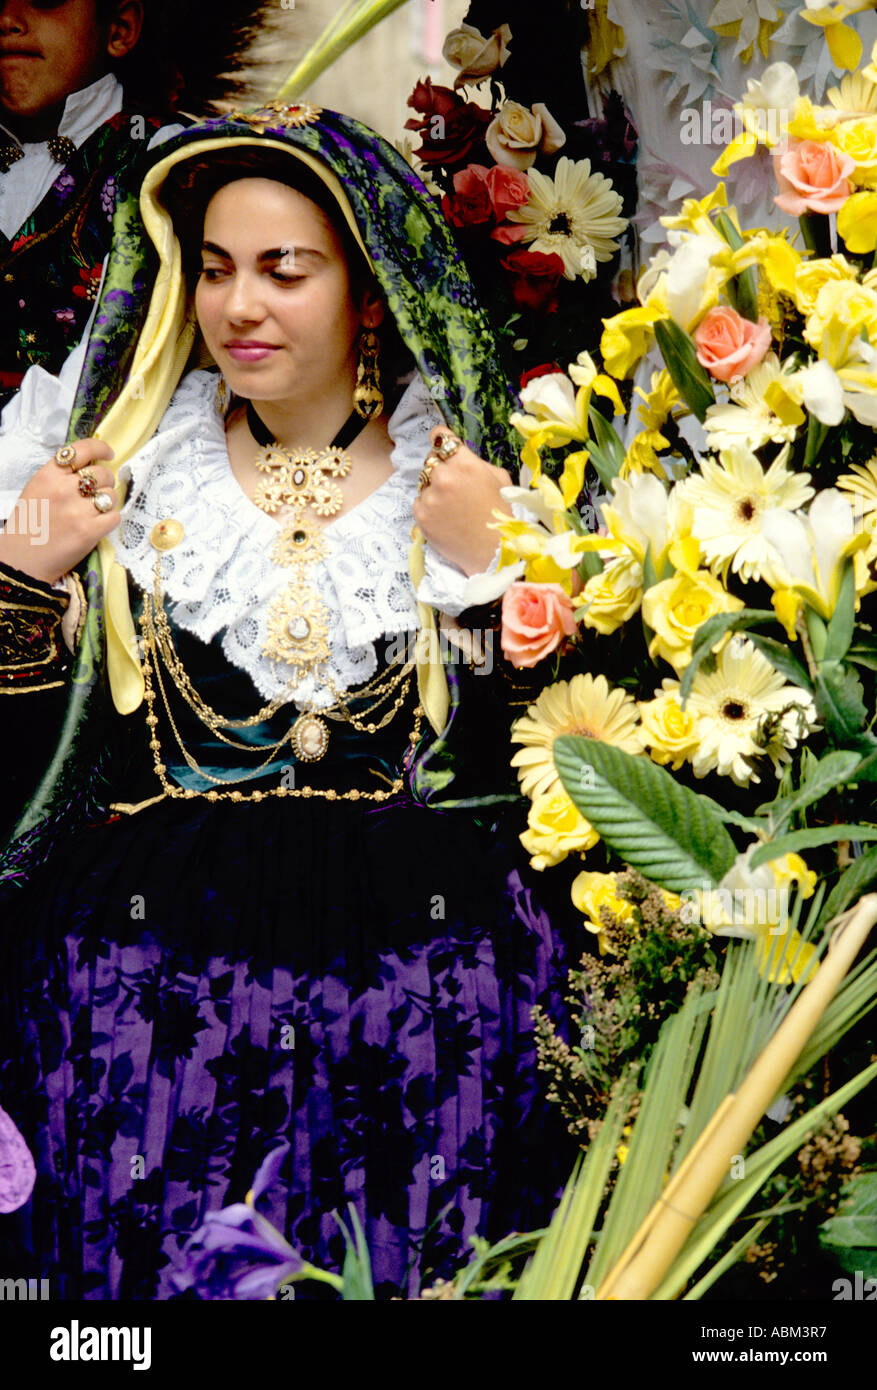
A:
{"x": 184, "y": 988}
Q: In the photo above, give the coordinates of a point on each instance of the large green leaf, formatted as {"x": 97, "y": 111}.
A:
{"x": 656, "y": 825}
{"x": 709, "y": 633}
{"x": 799, "y": 840}
{"x": 856, "y": 1219}
{"x": 688, "y": 376}
{"x": 606, "y": 449}
{"x": 781, "y": 659}
{"x": 831, "y": 772}
{"x": 852, "y": 883}
{"x": 839, "y": 701}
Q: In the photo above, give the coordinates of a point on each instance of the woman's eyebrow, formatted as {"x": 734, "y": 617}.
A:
{"x": 276, "y": 253}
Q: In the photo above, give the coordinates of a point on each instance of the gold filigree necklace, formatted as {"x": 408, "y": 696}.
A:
{"x": 304, "y": 481}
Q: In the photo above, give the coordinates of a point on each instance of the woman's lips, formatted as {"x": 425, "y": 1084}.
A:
{"x": 249, "y": 352}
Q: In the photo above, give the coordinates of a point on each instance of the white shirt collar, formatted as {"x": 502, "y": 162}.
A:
{"x": 85, "y": 110}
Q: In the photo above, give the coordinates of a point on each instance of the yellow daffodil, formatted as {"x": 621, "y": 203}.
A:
{"x": 556, "y": 413}
{"x": 555, "y": 829}
{"x": 628, "y": 336}
{"x": 675, "y": 608}
{"x": 755, "y": 903}
{"x": 547, "y": 543}
{"x": 844, "y": 43}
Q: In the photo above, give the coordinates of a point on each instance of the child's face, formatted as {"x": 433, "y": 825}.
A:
{"x": 50, "y": 48}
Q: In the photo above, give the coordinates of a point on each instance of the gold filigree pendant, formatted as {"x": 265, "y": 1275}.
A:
{"x": 298, "y": 629}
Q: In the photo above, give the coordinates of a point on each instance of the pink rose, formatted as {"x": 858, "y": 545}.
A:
{"x": 535, "y": 620}
{"x": 813, "y": 177}
{"x": 728, "y": 345}
{"x": 469, "y": 204}
{"x": 508, "y": 189}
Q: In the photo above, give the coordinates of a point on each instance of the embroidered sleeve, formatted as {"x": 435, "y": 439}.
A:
{"x": 33, "y": 654}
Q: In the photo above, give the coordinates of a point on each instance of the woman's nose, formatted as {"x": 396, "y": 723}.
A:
{"x": 244, "y": 299}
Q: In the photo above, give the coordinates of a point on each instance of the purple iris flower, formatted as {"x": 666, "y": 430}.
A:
{"x": 237, "y": 1253}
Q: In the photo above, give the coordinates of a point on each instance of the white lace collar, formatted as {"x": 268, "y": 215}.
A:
{"x": 220, "y": 579}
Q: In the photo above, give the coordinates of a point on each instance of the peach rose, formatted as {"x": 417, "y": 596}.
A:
{"x": 535, "y": 620}
{"x": 517, "y": 135}
{"x": 728, "y": 345}
{"x": 813, "y": 177}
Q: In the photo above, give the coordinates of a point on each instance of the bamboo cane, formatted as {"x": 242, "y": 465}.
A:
{"x": 671, "y": 1220}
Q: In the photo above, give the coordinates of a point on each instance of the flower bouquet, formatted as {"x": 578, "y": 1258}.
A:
{"x": 702, "y": 749}
{"x": 534, "y": 207}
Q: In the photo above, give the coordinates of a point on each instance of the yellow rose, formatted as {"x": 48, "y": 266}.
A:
{"x": 516, "y": 135}
{"x": 810, "y": 277}
{"x": 556, "y": 829}
{"x": 675, "y": 609}
{"x": 857, "y": 223}
{"x": 466, "y": 48}
{"x": 611, "y": 597}
{"x": 858, "y": 139}
{"x": 670, "y": 731}
{"x": 590, "y": 892}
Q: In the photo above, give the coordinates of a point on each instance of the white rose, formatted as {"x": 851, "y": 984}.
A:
{"x": 517, "y": 135}
{"x": 466, "y": 48}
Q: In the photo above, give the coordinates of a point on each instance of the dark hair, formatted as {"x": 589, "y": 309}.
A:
{"x": 191, "y": 184}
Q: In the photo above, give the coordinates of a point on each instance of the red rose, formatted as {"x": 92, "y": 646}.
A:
{"x": 535, "y": 278}
{"x": 509, "y": 232}
{"x": 544, "y": 369}
{"x": 508, "y": 189}
{"x": 449, "y": 128}
{"x": 470, "y": 204}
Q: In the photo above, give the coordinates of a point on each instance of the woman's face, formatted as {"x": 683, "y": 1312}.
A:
{"x": 273, "y": 299}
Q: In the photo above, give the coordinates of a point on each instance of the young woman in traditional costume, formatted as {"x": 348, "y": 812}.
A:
{"x": 261, "y": 889}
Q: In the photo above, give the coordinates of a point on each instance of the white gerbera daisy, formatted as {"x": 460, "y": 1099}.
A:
{"x": 729, "y": 499}
{"x": 747, "y": 419}
{"x": 574, "y": 215}
{"x": 744, "y": 711}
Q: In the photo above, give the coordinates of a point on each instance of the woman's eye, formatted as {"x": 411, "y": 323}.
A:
{"x": 283, "y": 278}
{"x": 212, "y": 272}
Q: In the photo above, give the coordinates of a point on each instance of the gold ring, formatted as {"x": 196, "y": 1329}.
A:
{"x": 103, "y": 502}
{"x": 65, "y": 456}
{"x": 446, "y": 445}
{"x": 87, "y": 482}
{"x": 431, "y": 460}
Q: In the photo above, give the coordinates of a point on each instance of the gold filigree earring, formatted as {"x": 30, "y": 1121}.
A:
{"x": 367, "y": 398}
{"x": 223, "y": 396}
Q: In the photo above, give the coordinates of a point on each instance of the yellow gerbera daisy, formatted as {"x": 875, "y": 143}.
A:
{"x": 574, "y": 215}
{"x": 862, "y": 484}
{"x": 585, "y": 705}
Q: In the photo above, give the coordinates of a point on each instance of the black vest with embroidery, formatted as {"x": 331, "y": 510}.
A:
{"x": 50, "y": 269}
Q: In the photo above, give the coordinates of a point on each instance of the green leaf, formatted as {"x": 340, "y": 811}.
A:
{"x": 839, "y": 701}
{"x": 852, "y": 883}
{"x": 856, "y": 1220}
{"x": 356, "y": 1273}
{"x": 843, "y": 619}
{"x": 799, "y": 840}
{"x": 606, "y": 451}
{"x": 816, "y": 436}
{"x": 688, "y": 376}
{"x": 710, "y": 632}
{"x": 655, "y": 824}
{"x": 781, "y": 660}
{"x": 743, "y": 288}
{"x": 831, "y": 772}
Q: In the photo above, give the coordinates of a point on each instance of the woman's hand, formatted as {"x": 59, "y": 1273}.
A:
{"x": 456, "y": 506}
{"x": 69, "y": 525}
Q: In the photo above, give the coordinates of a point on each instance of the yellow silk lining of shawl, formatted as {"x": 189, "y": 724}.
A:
{"x": 161, "y": 355}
